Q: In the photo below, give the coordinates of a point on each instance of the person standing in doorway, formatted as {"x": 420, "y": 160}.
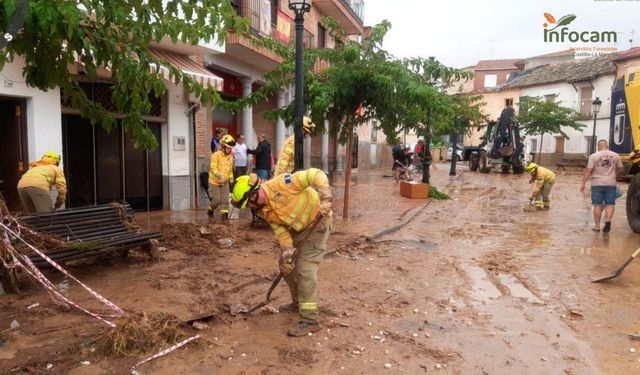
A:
{"x": 215, "y": 141}
{"x": 602, "y": 171}
{"x": 239, "y": 157}
{"x": 263, "y": 157}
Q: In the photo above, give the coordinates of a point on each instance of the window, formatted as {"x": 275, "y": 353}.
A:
{"x": 586, "y": 97}
{"x": 534, "y": 146}
{"x": 274, "y": 12}
{"x": 506, "y": 78}
{"x": 508, "y": 103}
{"x": 374, "y": 132}
{"x": 490, "y": 80}
{"x": 588, "y": 139}
{"x": 550, "y": 97}
{"x": 235, "y": 4}
{"x": 322, "y": 32}
{"x": 559, "y": 144}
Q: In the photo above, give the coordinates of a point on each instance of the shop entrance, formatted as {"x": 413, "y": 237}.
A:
{"x": 13, "y": 152}
{"x": 103, "y": 167}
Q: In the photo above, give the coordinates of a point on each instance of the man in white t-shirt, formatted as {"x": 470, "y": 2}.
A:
{"x": 239, "y": 157}
{"x": 602, "y": 170}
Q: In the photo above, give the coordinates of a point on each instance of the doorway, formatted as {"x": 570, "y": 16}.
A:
{"x": 13, "y": 153}
{"x": 103, "y": 167}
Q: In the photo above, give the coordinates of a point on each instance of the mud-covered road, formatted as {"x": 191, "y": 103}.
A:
{"x": 474, "y": 285}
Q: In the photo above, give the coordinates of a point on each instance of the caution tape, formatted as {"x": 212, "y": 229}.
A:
{"x": 163, "y": 353}
{"x": 27, "y": 265}
{"x": 30, "y": 268}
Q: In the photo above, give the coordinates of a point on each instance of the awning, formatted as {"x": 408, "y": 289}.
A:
{"x": 187, "y": 66}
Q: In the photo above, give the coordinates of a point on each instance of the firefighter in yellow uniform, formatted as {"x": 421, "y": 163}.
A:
{"x": 298, "y": 209}
{"x": 220, "y": 176}
{"x": 544, "y": 180}
{"x": 35, "y": 185}
{"x": 286, "y": 157}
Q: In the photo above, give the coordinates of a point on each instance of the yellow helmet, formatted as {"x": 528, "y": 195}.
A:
{"x": 228, "y": 141}
{"x": 52, "y": 156}
{"x": 308, "y": 125}
{"x": 531, "y": 167}
{"x": 242, "y": 189}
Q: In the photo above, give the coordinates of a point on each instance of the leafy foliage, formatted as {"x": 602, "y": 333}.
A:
{"x": 115, "y": 35}
{"x": 542, "y": 116}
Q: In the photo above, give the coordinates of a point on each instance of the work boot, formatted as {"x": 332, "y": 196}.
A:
{"x": 303, "y": 329}
{"x": 289, "y": 307}
{"x": 209, "y": 212}
{"x": 225, "y": 218}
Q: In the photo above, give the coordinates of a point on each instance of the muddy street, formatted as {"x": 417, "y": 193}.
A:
{"x": 472, "y": 285}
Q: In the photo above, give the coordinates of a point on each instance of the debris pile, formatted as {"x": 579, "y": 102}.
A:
{"x": 437, "y": 195}
{"x": 140, "y": 333}
{"x": 193, "y": 239}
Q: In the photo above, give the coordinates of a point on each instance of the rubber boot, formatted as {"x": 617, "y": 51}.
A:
{"x": 303, "y": 329}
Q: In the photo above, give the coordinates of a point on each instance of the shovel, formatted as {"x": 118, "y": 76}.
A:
{"x": 266, "y": 301}
{"x": 618, "y": 272}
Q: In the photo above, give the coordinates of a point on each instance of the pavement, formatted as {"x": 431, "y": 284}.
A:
{"x": 473, "y": 285}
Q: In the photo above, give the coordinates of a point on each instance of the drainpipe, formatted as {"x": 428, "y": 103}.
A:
{"x": 191, "y": 115}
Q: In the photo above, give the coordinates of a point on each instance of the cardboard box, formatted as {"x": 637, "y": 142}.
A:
{"x": 413, "y": 189}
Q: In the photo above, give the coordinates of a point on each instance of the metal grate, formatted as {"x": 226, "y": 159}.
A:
{"x": 101, "y": 93}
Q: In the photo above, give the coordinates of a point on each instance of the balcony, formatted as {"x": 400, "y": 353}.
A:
{"x": 348, "y": 13}
{"x": 242, "y": 47}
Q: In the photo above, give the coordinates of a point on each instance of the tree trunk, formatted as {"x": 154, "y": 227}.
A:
{"x": 347, "y": 172}
{"x": 540, "y": 153}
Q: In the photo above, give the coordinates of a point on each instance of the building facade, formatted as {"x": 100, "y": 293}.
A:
{"x": 101, "y": 166}
{"x": 574, "y": 84}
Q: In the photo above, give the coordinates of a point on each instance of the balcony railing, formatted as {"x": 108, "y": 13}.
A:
{"x": 356, "y": 7}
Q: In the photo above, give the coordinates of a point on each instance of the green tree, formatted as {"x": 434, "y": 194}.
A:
{"x": 340, "y": 81}
{"x": 114, "y": 34}
{"x": 540, "y": 116}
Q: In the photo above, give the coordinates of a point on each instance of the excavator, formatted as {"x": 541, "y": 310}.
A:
{"x": 624, "y": 131}
{"x": 501, "y": 146}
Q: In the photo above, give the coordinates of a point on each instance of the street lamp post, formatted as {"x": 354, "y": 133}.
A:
{"x": 454, "y": 139}
{"x": 596, "y": 108}
{"x": 299, "y": 7}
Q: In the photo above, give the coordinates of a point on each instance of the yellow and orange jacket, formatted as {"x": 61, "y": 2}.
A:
{"x": 294, "y": 202}
{"x": 221, "y": 168}
{"x": 286, "y": 157}
{"x": 542, "y": 175}
{"x": 44, "y": 175}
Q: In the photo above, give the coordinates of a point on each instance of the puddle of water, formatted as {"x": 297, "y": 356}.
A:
{"x": 483, "y": 288}
{"x": 412, "y": 244}
{"x": 518, "y": 290}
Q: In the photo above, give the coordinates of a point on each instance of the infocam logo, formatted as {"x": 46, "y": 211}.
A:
{"x": 558, "y": 32}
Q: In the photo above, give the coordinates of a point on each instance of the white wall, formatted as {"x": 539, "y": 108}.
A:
{"x": 44, "y": 118}
{"x": 569, "y": 97}
{"x": 178, "y": 126}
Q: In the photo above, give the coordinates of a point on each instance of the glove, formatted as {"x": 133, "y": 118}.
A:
{"x": 59, "y": 203}
{"x": 325, "y": 208}
{"x": 286, "y": 260}
{"x": 327, "y": 222}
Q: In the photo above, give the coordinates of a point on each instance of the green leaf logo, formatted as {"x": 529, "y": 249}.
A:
{"x": 565, "y": 20}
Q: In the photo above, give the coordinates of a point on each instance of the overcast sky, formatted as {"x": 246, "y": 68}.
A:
{"x": 461, "y": 32}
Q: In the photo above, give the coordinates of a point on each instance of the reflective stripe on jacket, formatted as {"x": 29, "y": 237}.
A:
{"x": 221, "y": 168}
{"x": 543, "y": 175}
{"x": 44, "y": 177}
{"x": 286, "y": 157}
{"x": 293, "y": 202}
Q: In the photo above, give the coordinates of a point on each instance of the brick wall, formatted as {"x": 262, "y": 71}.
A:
{"x": 262, "y": 125}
